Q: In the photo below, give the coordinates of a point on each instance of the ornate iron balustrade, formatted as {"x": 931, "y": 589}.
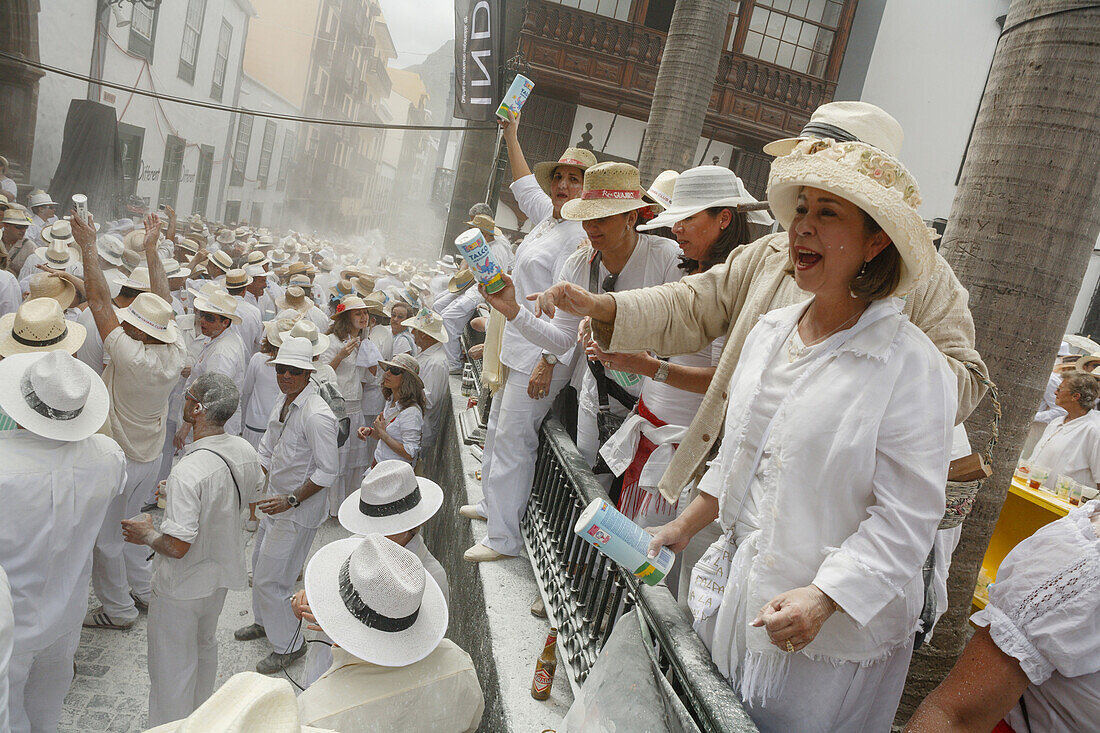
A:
{"x": 587, "y": 593}
{"x": 612, "y": 65}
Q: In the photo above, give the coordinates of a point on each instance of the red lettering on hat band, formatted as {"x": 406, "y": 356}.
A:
{"x": 572, "y": 161}
{"x": 604, "y": 193}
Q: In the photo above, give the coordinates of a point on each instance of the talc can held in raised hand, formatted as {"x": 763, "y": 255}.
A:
{"x": 545, "y": 666}
{"x": 475, "y": 250}
{"x": 515, "y": 97}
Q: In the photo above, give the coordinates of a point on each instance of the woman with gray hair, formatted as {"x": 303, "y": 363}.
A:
{"x": 199, "y": 550}
{"x": 1070, "y": 445}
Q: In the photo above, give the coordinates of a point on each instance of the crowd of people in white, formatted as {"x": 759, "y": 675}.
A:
{"x": 777, "y": 407}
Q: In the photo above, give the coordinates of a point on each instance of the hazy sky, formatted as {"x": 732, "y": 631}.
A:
{"x": 418, "y": 27}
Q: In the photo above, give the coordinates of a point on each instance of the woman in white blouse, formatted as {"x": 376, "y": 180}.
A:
{"x": 398, "y": 429}
{"x": 829, "y": 484}
{"x": 1070, "y": 444}
{"x": 345, "y": 337}
{"x": 1033, "y": 666}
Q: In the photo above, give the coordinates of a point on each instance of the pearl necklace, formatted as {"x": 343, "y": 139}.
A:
{"x": 794, "y": 353}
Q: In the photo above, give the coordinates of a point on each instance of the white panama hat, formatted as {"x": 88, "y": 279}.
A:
{"x": 248, "y": 702}
{"x": 220, "y": 303}
{"x": 705, "y": 187}
{"x": 138, "y": 280}
{"x": 846, "y": 122}
{"x": 391, "y": 499}
{"x": 110, "y": 249}
{"x": 40, "y": 198}
{"x": 872, "y": 180}
{"x": 296, "y": 351}
{"x": 374, "y": 598}
{"x": 429, "y": 322}
{"x": 173, "y": 269}
{"x": 57, "y": 253}
{"x": 151, "y": 314}
{"x": 661, "y": 188}
{"x": 52, "y": 394}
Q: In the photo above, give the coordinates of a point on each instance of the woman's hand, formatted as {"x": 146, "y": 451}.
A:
{"x": 671, "y": 535}
{"x": 642, "y": 363}
{"x": 363, "y": 433}
{"x": 510, "y": 126}
{"x": 504, "y": 300}
{"x": 476, "y": 352}
{"x": 350, "y": 347}
{"x": 795, "y": 617}
{"x": 378, "y": 428}
{"x": 539, "y": 384}
{"x": 567, "y": 296}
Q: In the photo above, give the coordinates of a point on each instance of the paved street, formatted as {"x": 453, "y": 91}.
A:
{"x": 111, "y": 689}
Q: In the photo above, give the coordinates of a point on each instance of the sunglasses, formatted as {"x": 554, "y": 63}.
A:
{"x": 608, "y": 284}
{"x": 292, "y": 371}
{"x": 209, "y": 317}
{"x": 397, "y": 371}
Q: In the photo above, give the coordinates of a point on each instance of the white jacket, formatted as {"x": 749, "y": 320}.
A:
{"x": 854, "y": 490}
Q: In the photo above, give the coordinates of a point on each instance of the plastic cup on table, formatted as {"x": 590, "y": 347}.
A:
{"x": 1039, "y": 477}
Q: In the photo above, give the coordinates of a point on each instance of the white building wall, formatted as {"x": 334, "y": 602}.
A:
{"x": 270, "y": 197}
{"x": 74, "y": 22}
{"x": 928, "y": 69}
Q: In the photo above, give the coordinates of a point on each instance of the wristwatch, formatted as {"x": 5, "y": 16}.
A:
{"x": 662, "y": 371}
{"x": 292, "y": 500}
{"x": 550, "y": 359}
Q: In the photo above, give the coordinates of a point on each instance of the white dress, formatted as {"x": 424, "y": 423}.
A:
{"x": 1043, "y": 612}
{"x": 349, "y": 382}
{"x": 783, "y": 531}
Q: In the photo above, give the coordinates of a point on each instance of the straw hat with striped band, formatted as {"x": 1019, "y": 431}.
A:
{"x": 45, "y": 285}
{"x": 460, "y": 281}
{"x": 222, "y": 260}
{"x": 58, "y": 253}
{"x": 609, "y": 189}
{"x": 575, "y": 157}
{"x": 257, "y": 258}
{"x": 342, "y": 289}
{"x": 39, "y": 325}
{"x": 301, "y": 280}
{"x": 237, "y": 279}
{"x": 151, "y": 314}
{"x": 705, "y": 187}
{"x": 219, "y": 303}
{"x": 53, "y": 395}
{"x": 110, "y": 249}
{"x": 174, "y": 269}
{"x": 16, "y": 215}
{"x": 846, "y": 122}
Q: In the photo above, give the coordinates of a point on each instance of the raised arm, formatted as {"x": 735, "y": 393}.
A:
{"x": 515, "y": 152}
{"x": 95, "y": 285}
{"x": 158, "y": 280}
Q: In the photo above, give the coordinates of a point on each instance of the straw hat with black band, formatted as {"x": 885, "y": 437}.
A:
{"x": 872, "y": 180}
{"x": 53, "y": 395}
{"x": 574, "y": 157}
{"x": 390, "y": 500}
{"x": 235, "y": 279}
{"x": 219, "y": 303}
{"x": 609, "y": 189}
{"x": 39, "y": 325}
{"x": 151, "y": 314}
{"x": 846, "y": 122}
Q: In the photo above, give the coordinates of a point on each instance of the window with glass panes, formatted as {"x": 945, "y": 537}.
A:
{"x": 289, "y": 140}
{"x": 143, "y": 27}
{"x": 192, "y": 31}
{"x": 617, "y": 9}
{"x": 240, "y": 150}
{"x": 795, "y": 34}
{"x": 267, "y": 148}
{"x": 221, "y": 61}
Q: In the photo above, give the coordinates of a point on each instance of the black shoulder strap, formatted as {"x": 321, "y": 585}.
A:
{"x": 237, "y": 486}
{"x": 604, "y": 387}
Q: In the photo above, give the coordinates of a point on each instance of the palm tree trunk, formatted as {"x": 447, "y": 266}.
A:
{"x": 1022, "y": 228}
{"x": 685, "y": 82}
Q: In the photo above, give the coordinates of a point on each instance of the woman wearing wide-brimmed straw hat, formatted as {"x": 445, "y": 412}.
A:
{"x": 399, "y": 426}
{"x": 614, "y": 257}
{"x": 343, "y": 354}
{"x": 824, "y": 462}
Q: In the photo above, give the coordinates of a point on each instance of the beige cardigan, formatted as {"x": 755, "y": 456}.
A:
{"x": 727, "y": 300}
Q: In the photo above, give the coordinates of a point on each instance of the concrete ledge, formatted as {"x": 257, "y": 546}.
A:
{"x": 490, "y": 602}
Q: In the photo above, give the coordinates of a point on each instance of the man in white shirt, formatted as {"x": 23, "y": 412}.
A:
{"x": 392, "y": 668}
{"x": 58, "y": 479}
{"x": 7, "y": 185}
{"x": 19, "y": 246}
{"x": 145, "y": 357}
{"x": 456, "y": 315}
{"x": 7, "y": 642}
{"x": 430, "y": 336}
{"x": 43, "y": 213}
{"x": 199, "y": 551}
{"x": 91, "y": 351}
{"x": 299, "y": 454}
{"x": 533, "y": 381}
{"x": 250, "y": 329}
{"x": 223, "y": 352}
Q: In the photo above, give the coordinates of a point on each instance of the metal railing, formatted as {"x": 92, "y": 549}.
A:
{"x": 587, "y": 593}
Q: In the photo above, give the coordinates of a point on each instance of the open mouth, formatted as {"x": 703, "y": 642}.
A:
{"x": 804, "y": 258}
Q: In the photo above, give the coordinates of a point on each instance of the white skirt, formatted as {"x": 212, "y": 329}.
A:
{"x": 804, "y": 695}
{"x": 353, "y": 463}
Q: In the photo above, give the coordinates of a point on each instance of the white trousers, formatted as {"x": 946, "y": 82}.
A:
{"x": 118, "y": 566}
{"x": 183, "y": 654}
{"x": 280, "y": 552}
{"x": 38, "y": 682}
{"x": 252, "y": 436}
{"x": 508, "y": 466}
{"x": 168, "y": 452}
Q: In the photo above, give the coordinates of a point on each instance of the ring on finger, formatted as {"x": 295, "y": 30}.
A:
{"x": 790, "y": 646}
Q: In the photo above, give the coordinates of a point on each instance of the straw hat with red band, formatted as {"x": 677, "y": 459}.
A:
{"x": 609, "y": 189}
{"x": 576, "y": 157}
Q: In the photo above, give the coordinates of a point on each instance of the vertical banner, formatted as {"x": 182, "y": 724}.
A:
{"x": 479, "y": 39}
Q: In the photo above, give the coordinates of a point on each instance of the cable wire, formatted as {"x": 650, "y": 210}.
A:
{"x": 227, "y": 108}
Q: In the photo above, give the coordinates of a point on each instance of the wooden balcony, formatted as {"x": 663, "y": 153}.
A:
{"x": 612, "y": 65}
